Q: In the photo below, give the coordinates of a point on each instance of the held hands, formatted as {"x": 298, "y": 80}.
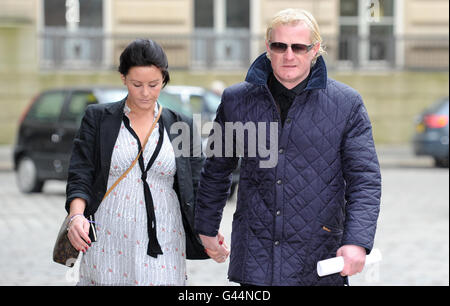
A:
{"x": 78, "y": 233}
{"x": 216, "y": 247}
{"x": 354, "y": 259}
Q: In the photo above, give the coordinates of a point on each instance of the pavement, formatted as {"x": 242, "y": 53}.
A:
{"x": 412, "y": 234}
{"x": 6, "y": 158}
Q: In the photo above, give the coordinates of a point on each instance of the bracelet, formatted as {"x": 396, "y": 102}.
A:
{"x": 74, "y": 216}
{"x": 71, "y": 219}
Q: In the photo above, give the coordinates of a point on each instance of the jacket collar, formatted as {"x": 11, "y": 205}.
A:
{"x": 260, "y": 70}
{"x": 115, "y": 108}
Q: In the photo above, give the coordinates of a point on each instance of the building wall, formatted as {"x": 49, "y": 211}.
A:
{"x": 326, "y": 13}
{"x": 151, "y": 18}
{"x": 157, "y": 19}
{"x": 430, "y": 19}
{"x": 18, "y": 42}
{"x": 171, "y": 22}
{"x": 18, "y": 11}
{"x": 426, "y": 17}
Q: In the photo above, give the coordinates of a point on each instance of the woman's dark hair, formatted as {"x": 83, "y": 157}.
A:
{"x": 144, "y": 52}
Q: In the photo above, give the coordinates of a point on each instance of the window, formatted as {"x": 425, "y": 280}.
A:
{"x": 196, "y": 103}
{"x": 60, "y": 48}
{"x": 55, "y": 13}
{"x": 238, "y": 13}
{"x": 204, "y": 13}
{"x": 386, "y": 8}
{"x": 47, "y": 108}
{"x": 222, "y": 29}
{"x": 349, "y": 8}
{"x": 348, "y": 42}
{"x": 174, "y": 102}
{"x": 380, "y": 40}
{"x": 91, "y": 13}
{"x": 212, "y": 101}
{"x": 77, "y": 105}
{"x": 110, "y": 95}
{"x": 366, "y": 32}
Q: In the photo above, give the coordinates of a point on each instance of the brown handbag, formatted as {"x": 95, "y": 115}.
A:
{"x": 63, "y": 251}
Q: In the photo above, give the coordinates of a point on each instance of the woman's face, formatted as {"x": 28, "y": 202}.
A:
{"x": 144, "y": 84}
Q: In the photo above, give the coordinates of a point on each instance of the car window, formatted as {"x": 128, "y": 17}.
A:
{"x": 173, "y": 102}
{"x": 444, "y": 107}
{"x": 196, "y": 103}
{"x": 110, "y": 95}
{"x": 77, "y": 105}
{"x": 212, "y": 101}
{"x": 440, "y": 106}
{"x": 47, "y": 108}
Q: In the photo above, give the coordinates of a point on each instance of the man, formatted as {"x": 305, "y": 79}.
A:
{"x": 322, "y": 198}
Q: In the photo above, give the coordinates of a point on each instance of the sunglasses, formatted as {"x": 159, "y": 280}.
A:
{"x": 279, "y": 47}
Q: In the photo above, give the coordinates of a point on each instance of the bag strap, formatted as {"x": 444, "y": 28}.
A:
{"x": 137, "y": 157}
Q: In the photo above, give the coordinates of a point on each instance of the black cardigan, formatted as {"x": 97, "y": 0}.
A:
{"x": 91, "y": 160}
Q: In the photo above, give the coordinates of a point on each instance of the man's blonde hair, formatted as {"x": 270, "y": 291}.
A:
{"x": 292, "y": 17}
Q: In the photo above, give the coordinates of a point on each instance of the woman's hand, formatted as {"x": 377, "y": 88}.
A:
{"x": 78, "y": 233}
{"x": 216, "y": 247}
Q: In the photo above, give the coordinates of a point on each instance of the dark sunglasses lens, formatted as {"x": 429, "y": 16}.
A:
{"x": 299, "y": 48}
{"x": 278, "y": 47}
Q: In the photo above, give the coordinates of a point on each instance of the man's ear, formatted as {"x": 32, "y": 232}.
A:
{"x": 316, "y": 48}
{"x": 123, "y": 78}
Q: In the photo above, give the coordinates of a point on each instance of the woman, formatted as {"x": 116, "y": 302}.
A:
{"x": 143, "y": 228}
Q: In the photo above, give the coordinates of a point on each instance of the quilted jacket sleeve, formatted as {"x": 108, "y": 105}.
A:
{"x": 196, "y": 160}
{"x": 215, "y": 178}
{"x": 362, "y": 177}
{"x": 82, "y": 163}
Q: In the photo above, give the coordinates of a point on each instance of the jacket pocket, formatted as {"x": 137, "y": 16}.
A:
{"x": 330, "y": 229}
{"x": 324, "y": 242}
{"x": 326, "y": 236}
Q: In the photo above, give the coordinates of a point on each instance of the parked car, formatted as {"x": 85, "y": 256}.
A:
{"x": 431, "y": 135}
{"x": 199, "y": 100}
{"x": 48, "y": 126}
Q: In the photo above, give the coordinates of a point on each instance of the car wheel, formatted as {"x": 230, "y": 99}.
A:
{"x": 26, "y": 176}
{"x": 441, "y": 162}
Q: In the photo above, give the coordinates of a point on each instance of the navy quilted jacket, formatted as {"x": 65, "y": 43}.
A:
{"x": 323, "y": 193}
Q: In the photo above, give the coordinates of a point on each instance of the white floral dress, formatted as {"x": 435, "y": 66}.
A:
{"x": 119, "y": 257}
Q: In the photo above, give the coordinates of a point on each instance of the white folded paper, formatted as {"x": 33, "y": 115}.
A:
{"x": 336, "y": 264}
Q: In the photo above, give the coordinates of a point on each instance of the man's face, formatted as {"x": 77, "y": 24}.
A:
{"x": 288, "y": 67}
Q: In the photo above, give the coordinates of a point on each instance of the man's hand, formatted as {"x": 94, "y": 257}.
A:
{"x": 215, "y": 247}
{"x": 354, "y": 259}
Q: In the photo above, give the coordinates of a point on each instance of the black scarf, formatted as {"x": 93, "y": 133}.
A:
{"x": 153, "y": 248}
